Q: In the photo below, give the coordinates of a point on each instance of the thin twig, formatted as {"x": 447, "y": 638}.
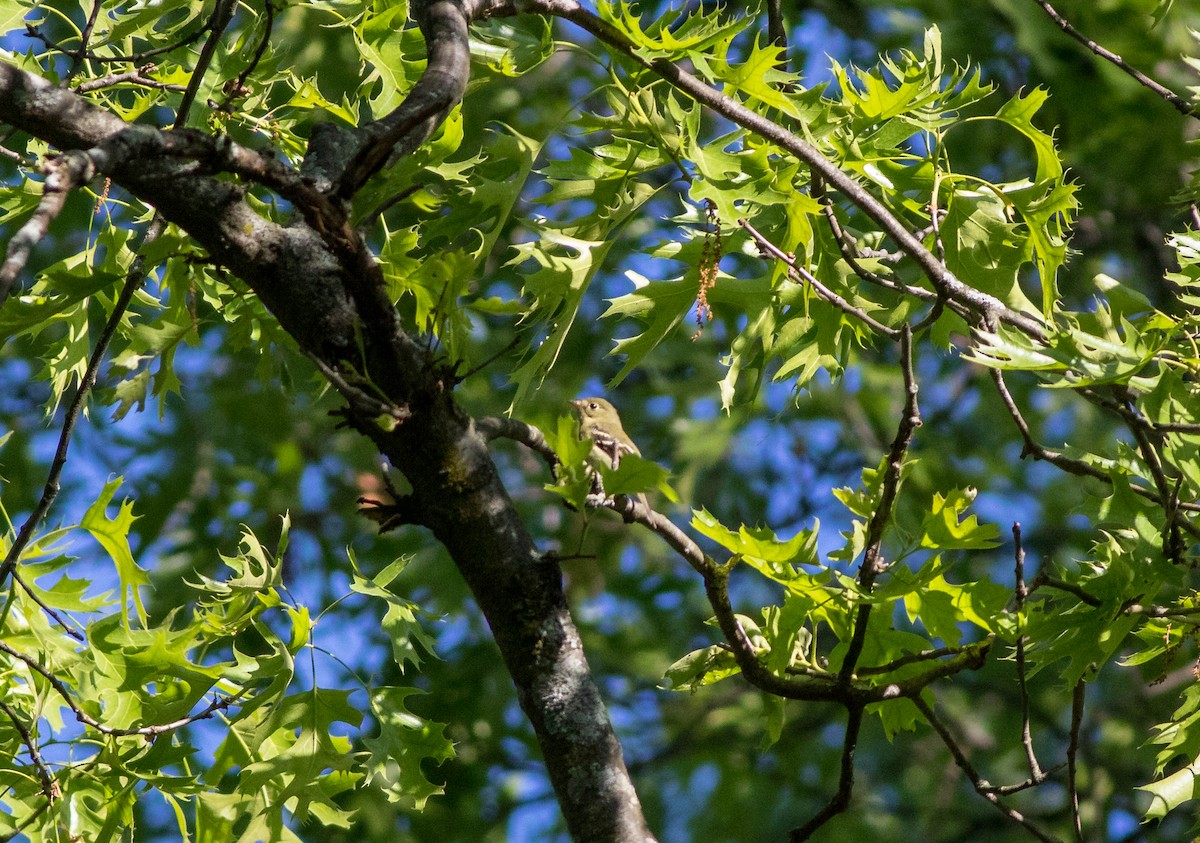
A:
{"x": 801, "y": 273}
{"x": 370, "y": 219}
{"x": 841, "y": 799}
{"x": 1174, "y": 427}
{"x": 981, "y": 786}
{"x": 1062, "y": 585}
{"x": 849, "y": 248}
{"x": 1179, "y": 103}
{"x": 1009, "y": 789}
{"x": 474, "y": 370}
{"x": 86, "y": 35}
{"x": 32, "y": 31}
{"x": 50, "y": 788}
{"x": 1035, "y": 769}
{"x": 137, "y": 77}
{"x": 776, "y": 31}
{"x": 222, "y": 14}
{"x": 1078, "y": 467}
{"x": 1031, "y": 447}
{"x": 132, "y": 282}
{"x": 237, "y": 88}
{"x": 1077, "y": 700}
{"x": 29, "y": 820}
{"x": 935, "y": 313}
{"x": 1171, "y": 540}
{"x": 911, "y": 658}
{"x": 853, "y": 254}
{"x": 1140, "y": 428}
{"x": 777, "y": 35}
{"x": 934, "y": 218}
{"x": 219, "y": 703}
{"x": 21, "y": 159}
{"x": 1160, "y": 611}
{"x": 873, "y": 564}
{"x": 64, "y": 173}
{"x": 67, "y": 628}
{"x": 360, "y": 399}
{"x": 1044, "y": 579}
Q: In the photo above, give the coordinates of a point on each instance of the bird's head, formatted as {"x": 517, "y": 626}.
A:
{"x": 594, "y": 409}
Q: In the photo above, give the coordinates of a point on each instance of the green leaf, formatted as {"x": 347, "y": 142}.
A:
{"x": 636, "y": 474}
{"x": 402, "y": 621}
{"x": 761, "y": 548}
{"x": 513, "y": 47}
{"x": 1051, "y": 210}
{"x": 985, "y": 249}
{"x": 573, "y": 480}
{"x": 308, "y": 96}
{"x": 667, "y": 36}
{"x": 404, "y": 742}
{"x": 391, "y": 51}
{"x": 897, "y": 716}
{"x": 144, "y": 676}
{"x": 307, "y": 761}
{"x": 566, "y": 258}
{"x": 759, "y": 77}
{"x": 699, "y": 668}
{"x": 113, "y": 536}
{"x": 12, "y": 14}
{"x": 1171, "y": 792}
{"x": 944, "y": 528}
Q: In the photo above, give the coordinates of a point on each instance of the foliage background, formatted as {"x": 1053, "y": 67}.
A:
{"x": 224, "y": 424}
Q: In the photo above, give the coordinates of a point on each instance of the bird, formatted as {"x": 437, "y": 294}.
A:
{"x": 599, "y": 421}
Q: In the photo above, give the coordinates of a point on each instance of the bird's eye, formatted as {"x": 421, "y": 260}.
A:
{"x": 592, "y": 405}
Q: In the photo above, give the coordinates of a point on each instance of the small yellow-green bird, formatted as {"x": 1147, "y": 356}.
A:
{"x": 598, "y": 421}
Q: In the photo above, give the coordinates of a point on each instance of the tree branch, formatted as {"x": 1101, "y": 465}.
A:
{"x": 342, "y": 160}
{"x": 50, "y": 788}
{"x": 977, "y": 781}
{"x": 493, "y": 427}
{"x": 911, "y": 658}
{"x": 987, "y": 307}
{"x": 219, "y": 703}
{"x": 801, "y": 274}
{"x": 329, "y": 299}
{"x": 1077, "y": 701}
{"x": 1168, "y": 492}
{"x": 132, "y": 58}
{"x": 63, "y": 174}
{"x": 873, "y": 563}
{"x": 137, "y": 77}
{"x": 1051, "y": 582}
{"x": 222, "y": 14}
{"x": 1177, "y": 102}
{"x": 133, "y": 280}
{"x": 84, "y": 36}
{"x": 1035, "y": 769}
{"x": 1080, "y": 468}
{"x": 841, "y": 799}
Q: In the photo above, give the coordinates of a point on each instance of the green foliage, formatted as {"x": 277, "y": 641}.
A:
{"x": 574, "y": 480}
{"x": 137, "y": 686}
{"x": 575, "y": 220}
